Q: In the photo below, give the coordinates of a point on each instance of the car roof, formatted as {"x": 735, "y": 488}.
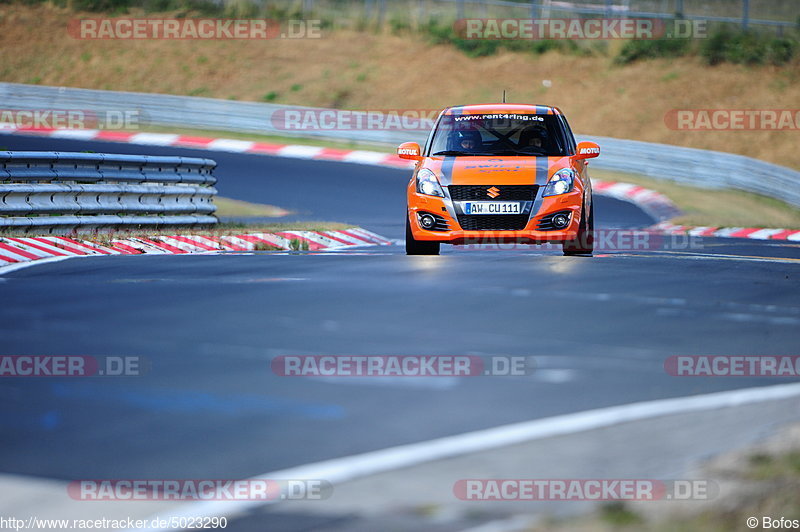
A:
{"x": 502, "y": 108}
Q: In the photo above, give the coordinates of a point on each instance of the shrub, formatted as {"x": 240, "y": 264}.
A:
{"x": 638, "y": 49}
{"x": 747, "y": 47}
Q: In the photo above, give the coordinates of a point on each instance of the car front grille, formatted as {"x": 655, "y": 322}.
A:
{"x": 504, "y": 192}
{"x": 490, "y": 222}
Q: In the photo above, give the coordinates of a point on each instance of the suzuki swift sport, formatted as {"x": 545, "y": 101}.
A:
{"x": 500, "y": 173}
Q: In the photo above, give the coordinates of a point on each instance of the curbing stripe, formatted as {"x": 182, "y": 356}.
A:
{"x": 158, "y": 245}
{"x": 45, "y": 247}
{"x": 300, "y": 152}
{"x": 92, "y": 248}
{"x": 27, "y": 247}
{"x": 59, "y": 244}
{"x": 237, "y": 146}
{"x": 125, "y": 249}
{"x": 17, "y": 253}
{"x": 313, "y": 245}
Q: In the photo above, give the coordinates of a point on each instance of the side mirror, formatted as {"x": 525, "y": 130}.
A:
{"x": 409, "y": 150}
{"x": 586, "y": 150}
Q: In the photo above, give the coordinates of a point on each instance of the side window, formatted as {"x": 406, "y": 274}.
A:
{"x": 570, "y": 136}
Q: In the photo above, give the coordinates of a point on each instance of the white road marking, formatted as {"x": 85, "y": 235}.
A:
{"x": 300, "y": 152}
{"x": 348, "y": 468}
{"x": 232, "y": 145}
{"x": 155, "y": 139}
{"x": 75, "y": 134}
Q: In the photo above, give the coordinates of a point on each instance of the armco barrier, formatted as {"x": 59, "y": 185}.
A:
{"x": 700, "y": 168}
{"x": 55, "y": 192}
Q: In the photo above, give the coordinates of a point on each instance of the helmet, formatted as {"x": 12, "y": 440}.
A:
{"x": 531, "y": 134}
{"x": 458, "y": 137}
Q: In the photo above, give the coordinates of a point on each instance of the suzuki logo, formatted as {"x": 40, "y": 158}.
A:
{"x": 493, "y": 192}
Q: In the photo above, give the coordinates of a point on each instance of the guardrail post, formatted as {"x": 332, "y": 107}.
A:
{"x": 536, "y": 9}
{"x": 745, "y": 14}
{"x": 381, "y": 13}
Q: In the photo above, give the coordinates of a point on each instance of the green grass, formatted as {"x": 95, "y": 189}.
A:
{"x": 768, "y": 467}
{"x": 771, "y": 482}
{"x": 724, "y": 44}
{"x": 227, "y": 207}
{"x": 277, "y": 227}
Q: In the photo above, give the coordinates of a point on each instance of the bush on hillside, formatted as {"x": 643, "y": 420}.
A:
{"x": 638, "y": 49}
{"x": 747, "y": 48}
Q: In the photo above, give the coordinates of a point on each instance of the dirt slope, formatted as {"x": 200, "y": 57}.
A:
{"x": 364, "y": 70}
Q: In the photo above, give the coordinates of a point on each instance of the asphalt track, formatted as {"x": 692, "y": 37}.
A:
{"x": 600, "y": 329}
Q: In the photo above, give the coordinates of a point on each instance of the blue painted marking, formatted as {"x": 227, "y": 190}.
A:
{"x": 189, "y": 401}
{"x": 47, "y": 421}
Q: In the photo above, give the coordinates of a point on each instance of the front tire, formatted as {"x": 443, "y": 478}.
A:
{"x": 584, "y": 243}
{"x": 419, "y": 247}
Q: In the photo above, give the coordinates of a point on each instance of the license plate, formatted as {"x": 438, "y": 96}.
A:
{"x": 491, "y": 207}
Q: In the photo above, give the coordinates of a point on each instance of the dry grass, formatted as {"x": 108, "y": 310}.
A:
{"x": 347, "y": 69}
{"x": 237, "y": 208}
{"x": 232, "y": 228}
{"x": 763, "y": 480}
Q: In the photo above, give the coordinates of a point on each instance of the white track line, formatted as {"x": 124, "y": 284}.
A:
{"x": 22, "y": 265}
{"x": 349, "y": 468}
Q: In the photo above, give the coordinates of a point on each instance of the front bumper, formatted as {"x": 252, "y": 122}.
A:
{"x": 445, "y": 208}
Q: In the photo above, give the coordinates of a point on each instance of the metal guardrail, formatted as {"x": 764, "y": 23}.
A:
{"x": 699, "y": 168}
{"x": 173, "y": 111}
{"x": 66, "y": 192}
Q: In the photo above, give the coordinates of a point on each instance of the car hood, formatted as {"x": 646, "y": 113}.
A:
{"x": 495, "y": 170}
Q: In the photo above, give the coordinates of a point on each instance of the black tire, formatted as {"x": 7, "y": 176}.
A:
{"x": 419, "y": 247}
{"x": 584, "y": 243}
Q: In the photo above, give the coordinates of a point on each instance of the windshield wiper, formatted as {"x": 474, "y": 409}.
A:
{"x": 452, "y": 152}
{"x": 517, "y": 152}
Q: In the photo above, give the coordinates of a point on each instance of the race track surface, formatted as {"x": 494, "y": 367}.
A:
{"x": 600, "y": 329}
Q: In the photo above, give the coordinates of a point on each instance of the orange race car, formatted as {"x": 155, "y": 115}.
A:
{"x": 500, "y": 173}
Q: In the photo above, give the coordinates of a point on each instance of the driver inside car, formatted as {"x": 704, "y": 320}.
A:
{"x": 468, "y": 141}
{"x": 533, "y": 137}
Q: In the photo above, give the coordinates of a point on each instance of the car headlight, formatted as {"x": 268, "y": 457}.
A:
{"x": 560, "y": 183}
{"x": 428, "y": 184}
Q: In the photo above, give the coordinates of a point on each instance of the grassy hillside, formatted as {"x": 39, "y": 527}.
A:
{"x": 351, "y": 69}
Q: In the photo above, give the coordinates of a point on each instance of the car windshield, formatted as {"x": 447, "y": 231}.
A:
{"x": 514, "y": 134}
